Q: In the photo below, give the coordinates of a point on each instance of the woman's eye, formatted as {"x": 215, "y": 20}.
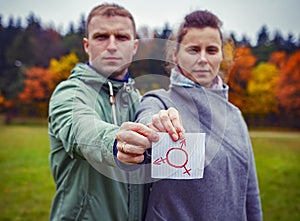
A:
{"x": 212, "y": 50}
{"x": 193, "y": 50}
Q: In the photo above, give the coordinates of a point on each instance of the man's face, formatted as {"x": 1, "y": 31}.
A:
{"x": 110, "y": 45}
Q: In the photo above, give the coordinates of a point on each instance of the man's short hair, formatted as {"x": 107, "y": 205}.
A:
{"x": 109, "y": 10}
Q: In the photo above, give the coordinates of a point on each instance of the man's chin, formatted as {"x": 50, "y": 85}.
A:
{"x": 112, "y": 71}
{"x": 115, "y": 73}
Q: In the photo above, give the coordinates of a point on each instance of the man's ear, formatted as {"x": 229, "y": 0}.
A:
{"x": 86, "y": 45}
{"x": 135, "y": 46}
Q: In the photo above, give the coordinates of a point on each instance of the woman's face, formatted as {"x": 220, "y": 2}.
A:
{"x": 200, "y": 55}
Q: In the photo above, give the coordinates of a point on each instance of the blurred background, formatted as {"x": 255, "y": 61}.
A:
{"x": 40, "y": 42}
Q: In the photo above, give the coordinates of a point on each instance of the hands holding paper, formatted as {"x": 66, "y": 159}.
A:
{"x": 134, "y": 138}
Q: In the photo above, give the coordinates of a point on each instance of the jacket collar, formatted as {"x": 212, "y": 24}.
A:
{"x": 178, "y": 79}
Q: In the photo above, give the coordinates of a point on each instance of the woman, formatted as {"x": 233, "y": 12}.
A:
{"x": 229, "y": 188}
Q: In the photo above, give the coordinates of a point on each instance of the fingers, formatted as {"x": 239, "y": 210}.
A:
{"x": 168, "y": 121}
{"x": 130, "y": 158}
{"x": 133, "y": 140}
{"x": 132, "y": 149}
{"x": 176, "y": 122}
{"x": 130, "y": 154}
{"x": 136, "y": 133}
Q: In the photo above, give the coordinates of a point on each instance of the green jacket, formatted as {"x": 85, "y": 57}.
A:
{"x": 89, "y": 184}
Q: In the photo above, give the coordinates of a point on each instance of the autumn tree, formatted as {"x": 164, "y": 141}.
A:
{"x": 40, "y": 82}
{"x": 261, "y": 90}
{"x": 62, "y": 68}
{"x": 239, "y": 76}
{"x": 288, "y": 87}
{"x": 278, "y": 58}
{"x": 228, "y": 58}
{"x": 33, "y": 101}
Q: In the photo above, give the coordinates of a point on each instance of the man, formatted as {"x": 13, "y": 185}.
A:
{"x": 84, "y": 114}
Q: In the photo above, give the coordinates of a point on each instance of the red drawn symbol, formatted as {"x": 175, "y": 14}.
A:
{"x": 173, "y": 156}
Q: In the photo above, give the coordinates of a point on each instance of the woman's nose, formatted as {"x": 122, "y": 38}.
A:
{"x": 202, "y": 57}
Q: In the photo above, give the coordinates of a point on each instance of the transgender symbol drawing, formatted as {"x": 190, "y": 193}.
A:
{"x": 176, "y": 157}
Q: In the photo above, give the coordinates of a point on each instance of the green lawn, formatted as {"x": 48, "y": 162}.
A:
{"x": 26, "y": 184}
{"x": 27, "y": 188}
{"x": 277, "y": 156}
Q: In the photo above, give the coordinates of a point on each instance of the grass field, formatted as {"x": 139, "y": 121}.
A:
{"x": 27, "y": 188}
{"x": 277, "y": 156}
{"x": 26, "y": 183}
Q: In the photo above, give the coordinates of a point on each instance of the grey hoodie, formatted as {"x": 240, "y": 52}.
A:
{"x": 229, "y": 189}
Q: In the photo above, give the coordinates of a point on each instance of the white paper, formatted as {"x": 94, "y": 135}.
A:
{"x": 183, "y": 159}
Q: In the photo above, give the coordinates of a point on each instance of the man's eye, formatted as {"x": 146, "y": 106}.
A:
{"x": 101, "y": 37}
{"x": 122, "y": 37}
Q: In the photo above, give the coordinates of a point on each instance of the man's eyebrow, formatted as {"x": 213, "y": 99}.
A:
{"x": 123, "y": 31}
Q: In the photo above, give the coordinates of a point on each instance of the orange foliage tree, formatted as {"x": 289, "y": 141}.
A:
{"x": 288, "y": 88}
{"x": 278, "y": 58}
{"x": 1, "y": 99}
{"x": 40, "y": 83}
{"x": 239, "y": 76}
{"x": 37, "y": 91}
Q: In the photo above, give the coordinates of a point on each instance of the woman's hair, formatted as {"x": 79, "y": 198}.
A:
{"x": 109, "y": 10}
{"x": 198, "y": 19}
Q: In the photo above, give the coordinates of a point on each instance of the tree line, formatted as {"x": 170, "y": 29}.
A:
{"x": 264, "y": 78}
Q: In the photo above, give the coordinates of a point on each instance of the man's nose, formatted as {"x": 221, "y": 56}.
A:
{"x": 112, "y": 44}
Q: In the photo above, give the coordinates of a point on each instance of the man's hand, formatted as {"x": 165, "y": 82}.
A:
{"x": 134, "y": 138}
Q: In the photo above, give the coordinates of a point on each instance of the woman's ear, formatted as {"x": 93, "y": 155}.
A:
{"x": 175, "y": 60}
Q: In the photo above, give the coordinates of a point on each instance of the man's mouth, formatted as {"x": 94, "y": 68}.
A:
{"x": 112, "y": 58}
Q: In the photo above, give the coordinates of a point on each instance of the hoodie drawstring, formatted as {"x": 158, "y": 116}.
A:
{"x": 112, "y": 103}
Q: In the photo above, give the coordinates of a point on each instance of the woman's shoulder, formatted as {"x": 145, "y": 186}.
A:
{"x": 156, "y": 92}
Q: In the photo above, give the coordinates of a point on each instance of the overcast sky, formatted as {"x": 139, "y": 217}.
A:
{"x": 238, "y": 16}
